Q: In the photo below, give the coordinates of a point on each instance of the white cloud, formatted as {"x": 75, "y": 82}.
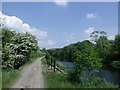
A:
{"x": 61, "y": 2}
{"x": 91, "y": 15}
{"x": 112, "y": 37}
{"x": 50, "y": 43}
{"x": 47, "y": 43}
{"x": 69, "y": 38}
{"x": 89, "y": 30}
{"x": 18, "y": 25}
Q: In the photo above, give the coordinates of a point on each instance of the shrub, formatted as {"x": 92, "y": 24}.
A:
{"x": 18, "y": 48}
{"x": 95, "y": 82}
{"x": 116, "y": 64}
{"x": 86, "y": 59}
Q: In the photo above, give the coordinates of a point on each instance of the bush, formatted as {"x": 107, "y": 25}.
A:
{"x": 95, "y": 82}
{"x": 86, "y": 59}
{"x": 57, "y": 80}
{"x": 43, "y": 60}
{"x": 18, "y": 48}
{"x": 116, "y": 64}
{"x": 72, "y": 76}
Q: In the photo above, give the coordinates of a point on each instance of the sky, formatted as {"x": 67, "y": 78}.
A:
{"x": 57, "y": 24}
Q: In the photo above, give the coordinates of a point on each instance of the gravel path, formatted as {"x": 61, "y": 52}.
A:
{"x": 31, "y": 76}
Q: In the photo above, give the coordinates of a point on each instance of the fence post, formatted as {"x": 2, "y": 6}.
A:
{"x": 51, "y": 62}
{"x": 54, "y": 64}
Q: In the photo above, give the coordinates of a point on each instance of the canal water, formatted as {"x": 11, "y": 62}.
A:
{"x": 108, "y": 75}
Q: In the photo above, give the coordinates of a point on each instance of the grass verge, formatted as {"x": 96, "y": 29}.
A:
{"x": 9, "y": 76}
{"x": 56, "y": 80}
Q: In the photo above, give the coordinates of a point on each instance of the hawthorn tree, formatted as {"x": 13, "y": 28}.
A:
{"x": 17, "y": 48}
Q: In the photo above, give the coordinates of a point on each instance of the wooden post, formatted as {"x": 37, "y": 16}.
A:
{"x": 54, "y": 64}
{"x": 51, "y": 62}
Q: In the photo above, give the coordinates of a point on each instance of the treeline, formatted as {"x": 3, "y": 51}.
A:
{"x": 108, "y": 51}
{"x": 92, "y": 55}
{"x": 17, "y": 48}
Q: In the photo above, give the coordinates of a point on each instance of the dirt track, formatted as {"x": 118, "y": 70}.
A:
{"x": 31, "y": 76}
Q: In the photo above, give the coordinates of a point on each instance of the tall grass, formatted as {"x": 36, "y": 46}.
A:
{"x": 58, "y": 80}
{"x": 55, "y": 80}
{"x": 9, "y": 76}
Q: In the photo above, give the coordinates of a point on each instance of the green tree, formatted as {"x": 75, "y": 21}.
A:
{"x": 115, "y": 62}
{"x": 17, "y": 48}
{"x": 117, "y": 43}
{"x": 86, "y": 59}
{"x": 96, "y": 34}
{"x": 103, "y": 47}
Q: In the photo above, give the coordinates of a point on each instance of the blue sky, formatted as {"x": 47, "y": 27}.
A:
{"x": 59, "y": 24}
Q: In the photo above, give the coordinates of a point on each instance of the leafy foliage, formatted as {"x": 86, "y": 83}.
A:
{"x": 116, "y": 64}
{"x": 17, "y": 48}
{"x": 96, "y": 34}
{"x": 86, "y": 59}
{"x": 102, "y": 47}
{"x": 67, "y": 53}
{"x": 114, "y": 53}
{"x": 95, "y": 82}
